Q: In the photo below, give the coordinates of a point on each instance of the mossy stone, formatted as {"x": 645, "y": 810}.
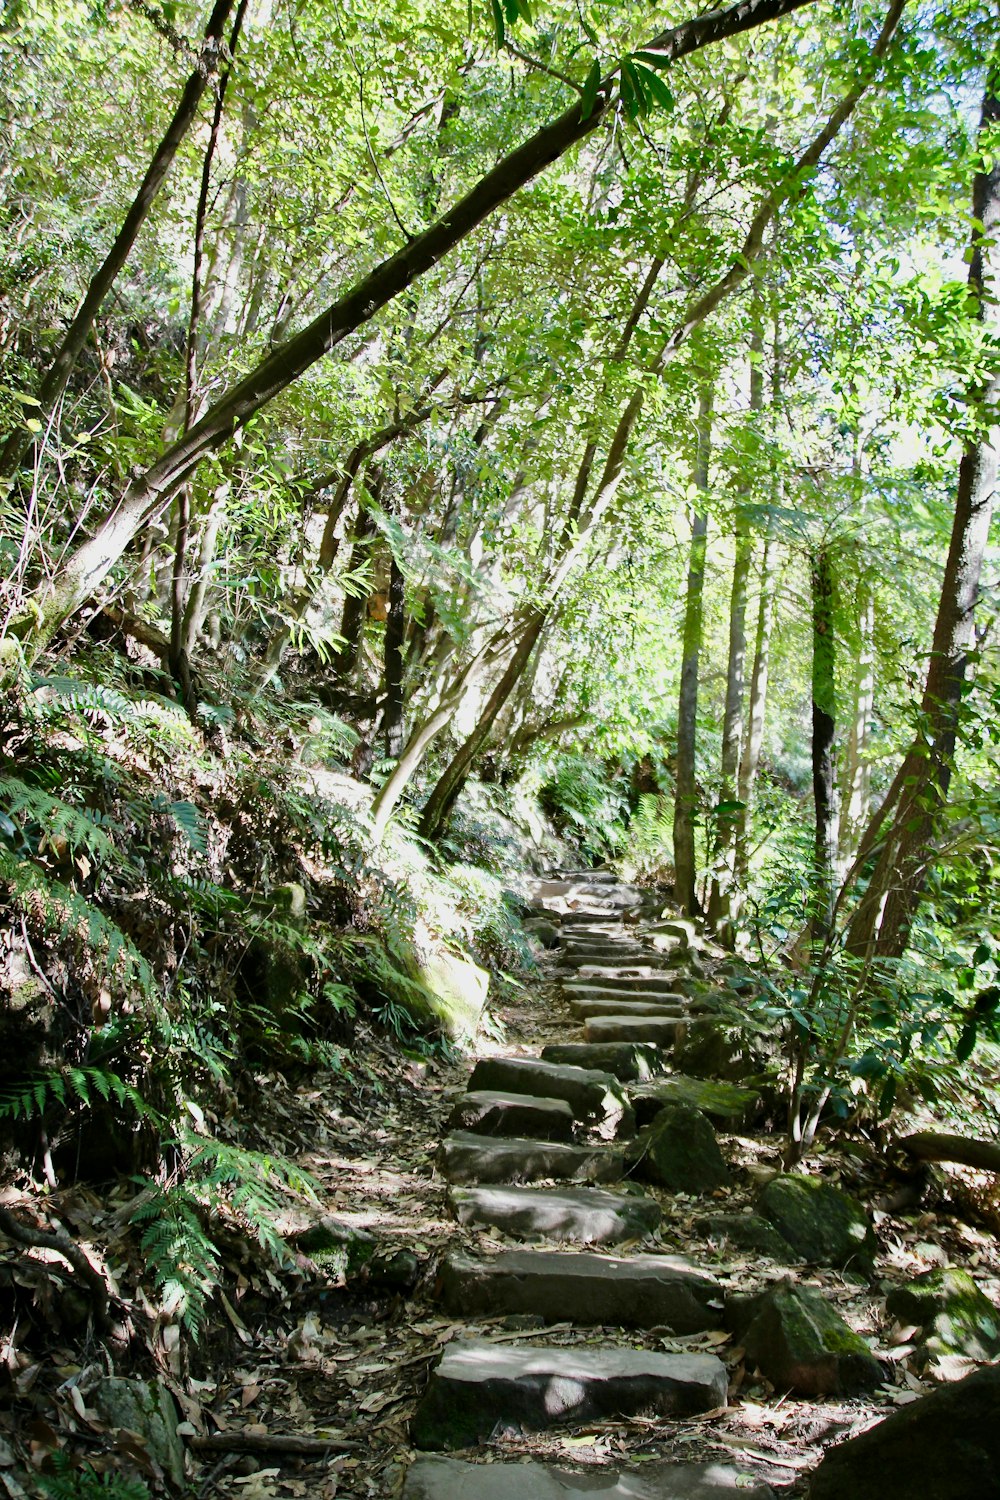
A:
{"x": 954, "y": 1316}
{"x": 714, "y": 1048}
{"x": 679, "y": 1151}
{"x": 793, "y": 1335}
{"x": 146, "y": 1408}
{"x": 340, "y": 1249}
{"x": 825, "y": 1225}
{"x": 746, "y": 1232}
{"x": 721, "y": 1101}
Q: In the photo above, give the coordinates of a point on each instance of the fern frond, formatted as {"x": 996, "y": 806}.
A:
{"x": 80, "y": 827}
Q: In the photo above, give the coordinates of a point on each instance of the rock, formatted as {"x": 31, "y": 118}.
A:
{"x": 682, "y": 929}
{"x": 958, "y": 1322}
{"x": 679, "y": 1151}
{"x": 945, "y": 1445}
{"x": 454, "y": 989}
{"x": 465, "y": 1158}
{"x": 713, "y": 1048}
{"x": 721, "y": 1101}
{"x": 513, "y": 1114}
{"x": 543, "y": 931}
{"x": 394, "y": 1273}
{"x": 587, "y": 1216}
{"x": 629, "y": 1062}
{"x": 480, "y": 1388}
{"x": 289, "y": 903}
{"x": 822, "y": 1223}
{"x": 434, "y": 1478}
{"x": 662, "y": 1032}
{"x": 339, "y": 1248}
{"x": 638, "y": 1291}
{"x": 595, "y": 1098}
{"x": 746, "y": 1232}
{"x": 146, "y": 1408}
{"x": 793, "y": 1335}
{"x": 656, "y": 1007}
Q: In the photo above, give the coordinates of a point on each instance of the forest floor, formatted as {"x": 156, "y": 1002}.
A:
{"x": 305, "y": 1356}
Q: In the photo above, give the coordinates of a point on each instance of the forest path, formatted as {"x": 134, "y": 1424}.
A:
{"x": 587, "y": 1364}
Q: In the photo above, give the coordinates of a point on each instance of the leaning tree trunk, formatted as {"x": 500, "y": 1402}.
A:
{"x": 356, "y": 602}
{"x": 84, "y": 570}
{"x": 686, "y": 796}
{"x": 857, "y": 773}
{"x": 756, "y": 713}
{"x": 61, "y": 368}
{"x": 880, "y": 926}
{"x": 395, "y": 635}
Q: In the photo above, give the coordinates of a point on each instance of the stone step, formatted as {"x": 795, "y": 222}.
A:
{"x": 594, "y": 912}
{"x": 498, "y": 1113}
{"x": 481, "y": 1388}
{"x": 573, "y": 941}
{"x": 630, "y": 1062}
{"x": 435, "y": 1478}
{"x": 663, "y": 1032}
{"x": 596, "y": 1098}
{"x": 656, "y": 1005}
{"x": 640, "y": 1291}
{"x": 465, "y": 1158}
{"x": 584, "y": 1216}
{"x": 587, "y": 968}
{"x": 661, "y": 983}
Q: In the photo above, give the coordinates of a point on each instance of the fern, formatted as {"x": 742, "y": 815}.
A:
{"x": 180, "y": 1256}
{"x": 67, "y": 1483}
{"x": 221, "y": 1179}
{"x": 26, "y": 806}
{"x": 36, "y": 1095}
{"x": 67, "y": 916}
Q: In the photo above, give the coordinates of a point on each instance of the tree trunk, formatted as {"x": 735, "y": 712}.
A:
{"x": 857, "y": 774}
{"x": 356, "y": 602}
{"x": 824, "y": 716}
{"x": 686, "y": 796}
{"x": 880, "y": 926}
{"x": 85, "y": 569}
{"x": 723, "y": 902}
{"x": 754, "y": 736}
{"x": 57, "y": 377}
{"x": 395, "y": 634}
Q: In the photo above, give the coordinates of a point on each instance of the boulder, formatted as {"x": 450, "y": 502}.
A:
{"x": 945, "y": 1446}
{"x": 795, "y": 1338}
{"x": 721, "y": 1101}
{"x": 340, "y": 1249}
{"x": 543, "y": 931}
{"x": 714, "y": 1048}
{"x": 679, "y": 1151}
{"x": 447, "y": 988}
{"x": 146, "y": 1408}
{"x": 957, "y": 1321}
{"x": 823, "y": 1224}
{"x": 746, "y": 1232}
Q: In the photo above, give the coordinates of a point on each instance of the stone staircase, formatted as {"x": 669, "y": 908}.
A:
{"x": 537, "y": 1150}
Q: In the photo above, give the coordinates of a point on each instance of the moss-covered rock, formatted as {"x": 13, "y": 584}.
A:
{"x": 746, "y": 1232}
{"x": 679, "y": 1151}
{"x": 825, "y": 1225}
{"x": 795, "y": 1338}
{"x": 958, "y": 1322}
{"x": 340, "y": 1249}
{"x": 442, "y": 987}
{"x": 147, "y": 1409}
{"x": 714, "y": 1047}
{"x": 720, "y": 1101}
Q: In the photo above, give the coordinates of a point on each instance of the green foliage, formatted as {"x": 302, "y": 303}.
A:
{"x": 220, "y": 1181}
{"x": 85, "y": 1483}
{"x": 647, "y": 851}
{"x": 73, "y": 1086}
{"x": 585, "y": 805}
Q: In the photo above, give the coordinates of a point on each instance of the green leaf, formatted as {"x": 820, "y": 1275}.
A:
{"x": 967, "y": 1041}
{"x": 499, "y": 30}
{"x": 654, "y": 88}
{"x": 590, "y": 87}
